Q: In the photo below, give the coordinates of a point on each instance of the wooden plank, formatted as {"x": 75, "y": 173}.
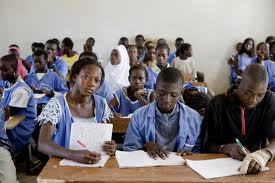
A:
{"x": 53, "y": 173}
{"x": 14, "y": 121}
{"x": 120, "y": 125}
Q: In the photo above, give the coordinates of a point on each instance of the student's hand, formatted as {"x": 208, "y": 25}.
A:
{"x": 154, "y": 150}
{"x": 234, "y": 151}
{"x": 260, "y": 56}
{"x": 50, "y": 61}
{"x": 140, "y": 92}
{"x": 230, "y": 61}
{"x": 110, "y": 147}
{"x": 49, "y": 93}
{"x": 184, "y": 153}
{"x": 255, "y": 162}
{"x": 84, "y": 156}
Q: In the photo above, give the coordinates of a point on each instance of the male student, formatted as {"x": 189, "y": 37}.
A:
{"x": 179, "y": 41}
{"x": 246, "y": 113}
{"x": 166, "y": 124}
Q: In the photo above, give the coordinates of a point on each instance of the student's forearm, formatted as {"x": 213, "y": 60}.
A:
{"x": 58, "y": 73}
{"x": 142, "y": 101}
{"x": 55, "y": 150}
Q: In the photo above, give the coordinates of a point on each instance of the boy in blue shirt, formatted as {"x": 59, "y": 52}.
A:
{"x": 166, "y": 124}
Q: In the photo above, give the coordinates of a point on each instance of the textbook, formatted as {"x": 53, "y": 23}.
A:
{"x": 89, "y": 136}
{"x": 135, "y": 159}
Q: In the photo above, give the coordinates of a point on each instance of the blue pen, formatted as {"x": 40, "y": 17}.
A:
{"x": 241, "y": 146}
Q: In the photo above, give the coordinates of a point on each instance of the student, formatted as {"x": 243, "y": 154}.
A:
{"x": 270, "y": 39}
{"x": 246, "y": 113}
{"x": 179, "y": 41}
{"x": 150, "y": 58}
{"x": 162, "y": 53}
{"x": 89, "y": 47}
{"x": 124, "y": 41}
{"x": 161, "y": 41}
{"x": 128, "y": 99}
{"x": 117, "y": 70}
{"x": 55, "y": 63}
{"x": 246, "y": 54}
{"x": 43, "y": 80}
{"x": 186, "y": 63}
{"x": 141, "y": 52}
{"x": 29, "y": 59}
{"x": 21, "y": 70}
{"x": 262, "y": 53}
{"x": 68, "y": 54}
{"x": 19, "y": 100}
{"x": 79, "y": 104}
{"x": 59, "y": 53}
{"x": 139, "y": 39}
{"x": 270, "y": 67}
{"x": 104, "y": 90}
{"x": 7, "y": 168}
{"x": 166, "y": 124}
{"x": 132, "y": 52}
{"x": 231, "y": 60}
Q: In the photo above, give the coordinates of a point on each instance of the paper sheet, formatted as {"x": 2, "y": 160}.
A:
{"x": 38, "y": 96}
{"x": 140, "y": 158}
{"x": 215, "y": 168}
{"x": 93, "y": 136}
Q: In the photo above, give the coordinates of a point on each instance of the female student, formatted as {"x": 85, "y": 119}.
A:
{"x": 246, "y": 54}
{"x": 270, "y": 67}
{"x": 262, "y": 53}
{"x": 186, "y": 63}
{"x": 18, "y": 100}
{"x": 43, "y": 80}
{"x": 117, "y": 70}
{"x": 166, "y": 124}
{"x": 128, "y": 99}
{"x": 79, "y": 104}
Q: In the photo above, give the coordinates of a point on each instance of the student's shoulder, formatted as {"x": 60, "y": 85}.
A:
{"x": 188, "y": 110}
{"x": 269, "y": 98}
{"x": 144, "y": 111}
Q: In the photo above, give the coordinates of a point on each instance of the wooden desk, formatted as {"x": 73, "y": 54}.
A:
{"x": 14, "y": 121}
{"x": 53, "y": 173}
{"x": 204, "y": 84}
{"x": 120, "y": 125}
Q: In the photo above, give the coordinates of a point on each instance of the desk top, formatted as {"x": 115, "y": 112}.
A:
{"x": 120, "y": 125}
{"x": 14, "y": 121}
{"x": 53, "y": 173}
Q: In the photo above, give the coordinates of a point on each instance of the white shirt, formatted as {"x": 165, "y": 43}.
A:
{"x": 187, "y": 67}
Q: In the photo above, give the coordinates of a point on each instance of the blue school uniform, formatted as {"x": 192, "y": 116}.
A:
{"x": 125, "y": 105}
{"x": 30, "y": 59}
{"x": 60, "y": 65}
{"x": 142, "y": 128}
{"x": 243, "y": 61}
{"x": 172, "y": 57}
{"x": 105, "y": 91}
{"x": 200, "y": 88}
{"x": 62, "y": 132}
{"x": 50, "y": 81}
{"x": 152, "y": 78}
{"x": 21, "y": 134}
{"x": 270, "y": 68}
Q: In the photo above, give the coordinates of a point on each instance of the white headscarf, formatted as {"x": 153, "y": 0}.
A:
{"x": 117, "y": 75}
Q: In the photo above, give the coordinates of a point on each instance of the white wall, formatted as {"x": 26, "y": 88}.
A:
{"x": 212, "y": 26}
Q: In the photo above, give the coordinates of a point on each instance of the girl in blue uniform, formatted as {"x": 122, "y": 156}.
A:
{"x": 79, "y": 104}
{"x": 18, "y": 100}
{"x": 129, "y": 99}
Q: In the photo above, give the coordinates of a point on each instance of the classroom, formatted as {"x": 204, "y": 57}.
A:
{"x": 137, "y": 91}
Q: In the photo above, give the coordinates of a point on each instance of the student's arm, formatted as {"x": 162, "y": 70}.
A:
{"x": 26, "y": 65}
{"x": 140, "y": 94}
{"x": 211, "y": 133}
{"x": 152, "y": 97}
{"x": 112, "y": 104}
{"x": 46, "y": 146}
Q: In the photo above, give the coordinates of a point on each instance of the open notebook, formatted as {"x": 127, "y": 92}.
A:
{"x": 93, "y": 136}
{"x": 134, "y": 159}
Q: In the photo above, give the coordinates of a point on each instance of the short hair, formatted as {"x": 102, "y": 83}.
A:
{"x": 269, "y": 38}
{"x": 163, "y": 46}
{"x": 14, "y": 45}
{"x": 261, "y": 43}
{"x": 131, "y": 46}
{"x": 196, "y": 101}
{"x": 184, "y": 47}
{"x": 68, "y": 42}
{"x": 51, "y": 41}
{"x": 138, "y": 67}
{"x": 170, "y": 75}
{"x": 139, "y": 36}
{"x": 41, "y": 45}
{"x": 255, "y": 73}
{"x": 56, "y": 40}
{"x": 39, "y": 53}
{"x": 88, "y": 54}
{"x": 91, "y": 39}
{"x": 179, "y": 39}
{"x": 271, "y": 45}
{"x": 34, "y": 44}
{"x": 10, "y": 59}
{"x": 78, "y": 65}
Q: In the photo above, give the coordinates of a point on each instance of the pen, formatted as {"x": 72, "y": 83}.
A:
{"x": 80, "y": 143}
{"x": 241, "y": 146}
